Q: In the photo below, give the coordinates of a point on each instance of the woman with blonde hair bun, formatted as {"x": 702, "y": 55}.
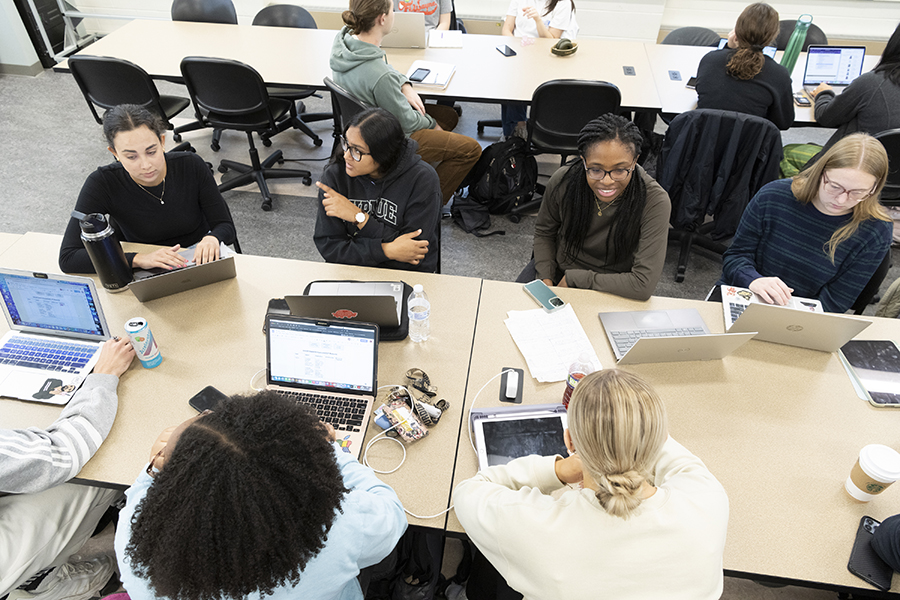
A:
{"x": 648, "y": 519}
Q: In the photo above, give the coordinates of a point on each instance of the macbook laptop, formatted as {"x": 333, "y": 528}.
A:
{"x": 666, "y": 336}
{"x": 330, "y": 366}
{"x": 817, "y": 331}
{"x": 56, "y": 325}
{"x": 504, "y": 433}
{"x": 377, "y": 302}
{"x": 408, "y": 31}
{"x": 157, "y": 283}
{"x": 837, "y": 66}
{"x": 735, "y": 301}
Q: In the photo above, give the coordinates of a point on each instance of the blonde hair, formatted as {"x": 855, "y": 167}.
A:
{"x": 618, "y": 426}
{"x": 756, "y": 28}
{"x": 363, "y": 13}
{"x": 858, "y": 151}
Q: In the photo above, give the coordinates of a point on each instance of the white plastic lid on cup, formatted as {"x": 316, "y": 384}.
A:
{"x": 881, "y": 462}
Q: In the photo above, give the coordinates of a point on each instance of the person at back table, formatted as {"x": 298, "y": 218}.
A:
{"x": 647, "y": 521}
{"x": 741, "y": 78}
{"x": 254, "y": 500}
{"x": 437, "y": 12}
{"x": 819, "y": 235}
{"x": 379, "y": 203}
{"x": 359, "y": 66}
{"x": 153, "y": 197}
{"x": 604, "y": 222}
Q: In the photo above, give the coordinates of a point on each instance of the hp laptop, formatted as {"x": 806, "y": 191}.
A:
{"x": 330, "y": 366}
{"x": 837, "y": 66}
{"x": 666, "y": 336}
{"x": 817, "y": 331}
{"x": 56, "y": 328}
{"x": 408, "y": 31}
{"x": 377, "y": 302}
{"x": 157, "y": 283}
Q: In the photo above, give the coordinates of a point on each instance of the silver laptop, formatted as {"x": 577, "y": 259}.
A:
{"x": 157, "y": 283}
{"x": 735, "y": 301}
{"x": 371, "y": 301}
{"x": 56, "y": 325}
{"x": 837, "y": 66}
{"x": 408, "y": 31}
{"x": 504, "y": 433}
{"x": 666, "y": 336}
{"x": 330, "y": 366}
{"x": 782, "y": 325}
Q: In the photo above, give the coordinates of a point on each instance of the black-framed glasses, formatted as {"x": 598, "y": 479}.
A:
{"x": 836, "y": 191}
{"x": 615, "y": 174}
{"x": 355, "y": 153}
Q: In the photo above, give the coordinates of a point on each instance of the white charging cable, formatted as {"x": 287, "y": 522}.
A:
{"x": 252, "y": 379}
{"x": 469, "y": 424}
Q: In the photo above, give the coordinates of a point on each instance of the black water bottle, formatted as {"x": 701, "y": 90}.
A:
{"x": 105, "y": 251}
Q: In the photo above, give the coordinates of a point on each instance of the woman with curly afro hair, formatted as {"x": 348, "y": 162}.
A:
{"x": 254, "y": 500}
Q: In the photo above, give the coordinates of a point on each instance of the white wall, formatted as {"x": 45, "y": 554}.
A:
{"x": 17, "y": 54}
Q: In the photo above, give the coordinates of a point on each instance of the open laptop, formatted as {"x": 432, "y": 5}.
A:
{"x": 56, "y": 325}
{"x": 157, "y": 283}
{"x": 817, "y": 331}
{"x": 377, "y": 302}
{"x": 330, "y": 366}
{"x": 735, "y": 301}
{"x": 408, "y": 31}
{"x": 837, "y": 66}
{"x": 666, "y": 336}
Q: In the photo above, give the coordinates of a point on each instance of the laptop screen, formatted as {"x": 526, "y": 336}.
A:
{"x": 834, "y": 65}
{"x": 51, "y": 304}
{"x": 322, "y": 354}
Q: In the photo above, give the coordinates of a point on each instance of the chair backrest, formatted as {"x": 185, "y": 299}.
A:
{"x": 890, "y": 139}
{"x": 814, "y": 35}
{"x": 562, "y": 107}
{"x": 225, "y": 90}
{"x": 344, "y": 106}
{"x": 456, "y": 23}
{"x": 285, "y": 15}
{"x": 107, "y": 82}
{"x": 692, "y": 36}
{"x": 204, "y": 11}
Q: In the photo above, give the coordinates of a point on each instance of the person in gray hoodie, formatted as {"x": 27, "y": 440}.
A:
{"x": 43, "y": 519}
{"x": 380, "y": 203}
{"x": 359, "y": 66}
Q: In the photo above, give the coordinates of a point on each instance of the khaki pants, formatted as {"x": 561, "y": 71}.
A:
{"x": 453, "y": 155}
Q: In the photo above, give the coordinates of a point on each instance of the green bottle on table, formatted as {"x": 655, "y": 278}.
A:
{"x": 795, "y": 43}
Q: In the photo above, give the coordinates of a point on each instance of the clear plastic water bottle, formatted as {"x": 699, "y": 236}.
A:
{"x": 419, "y": 310}
{"x": 577, "y": 371}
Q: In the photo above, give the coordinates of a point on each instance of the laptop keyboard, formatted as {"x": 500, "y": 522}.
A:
{"x": 736, "y": 310}
{"x": 624, "y": 340}
{"x": 50, "y": 355}
{"x": 342, "y": 413}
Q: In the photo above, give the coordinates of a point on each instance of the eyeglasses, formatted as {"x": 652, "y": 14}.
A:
{"x": 355, "y": 153}
{"x": 836, "y": 191}
{"x": 615, "y": 174}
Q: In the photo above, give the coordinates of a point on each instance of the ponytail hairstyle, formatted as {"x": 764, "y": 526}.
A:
{"x": 756, "y": 28}
{"x": 578, "y": 204}
{"x": 363, "y": 13}
{"x": 890, "y": 59}
{"x": 618, "y": 426}
{"x": 552, "y": 5}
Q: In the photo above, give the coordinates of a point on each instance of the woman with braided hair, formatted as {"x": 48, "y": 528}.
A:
{"x": 255, "y": 500}
{"x": 647, "y": 519}
{"x": 604, "y": 222}
{"x": 741, "y": 78}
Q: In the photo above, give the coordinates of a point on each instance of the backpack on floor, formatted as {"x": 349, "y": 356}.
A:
{"x": 504, "y": 177}
{"x": 473, "y": 217}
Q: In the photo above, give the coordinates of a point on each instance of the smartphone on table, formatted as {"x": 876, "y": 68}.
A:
{"x": 419, "y": 75}
{"x": 691, "y": 83}
{"x": 207, "y": 399}
{"x": 544, "y": 296}
{"x": 800, "y": 99}
{"x": 864, "y": 561}
{"x": 506, "y": 50}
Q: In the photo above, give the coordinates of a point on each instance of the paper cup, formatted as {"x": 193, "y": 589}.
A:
{"x": 877, "y": 468}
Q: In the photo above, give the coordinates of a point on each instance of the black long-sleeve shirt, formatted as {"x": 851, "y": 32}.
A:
{"x": 191, "y": 208}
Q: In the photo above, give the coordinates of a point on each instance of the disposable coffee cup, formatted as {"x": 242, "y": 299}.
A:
{"x": 876, "y": 469}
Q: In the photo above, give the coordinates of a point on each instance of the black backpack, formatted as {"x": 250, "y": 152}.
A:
{"x": 504, "y": 177}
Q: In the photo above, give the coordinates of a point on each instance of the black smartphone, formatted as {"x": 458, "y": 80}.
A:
{"x": 864, "y": 562}
{"x": 691, "y": 83}
{"x": 419, "y": 74}
{"x": 801, "y": 100}
{"x": 206, "y": 399}
{"x": 506, "y": 50}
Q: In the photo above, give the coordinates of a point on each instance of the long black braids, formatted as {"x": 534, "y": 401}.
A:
{"x": 579, "y": 202}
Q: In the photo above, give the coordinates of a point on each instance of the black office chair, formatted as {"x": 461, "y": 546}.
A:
{"x": 692, "y": 36}
{"x": 814, "y": 35}
{"x": 559, "y": 110}
{"x": 291, "y": 15}
{"x": 204, "y": 11}
{"x": 890, "y": 139}
{"x": 868, "y": 295}
{"x": 344, "y": 105}
{"x": 228, "y": 94}
{"x": 711, "y": 163}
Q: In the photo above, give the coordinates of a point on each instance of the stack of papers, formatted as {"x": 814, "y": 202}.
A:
{"x": 550, "y": 342}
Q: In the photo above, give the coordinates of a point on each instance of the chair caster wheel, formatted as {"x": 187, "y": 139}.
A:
{"x": 514, "y": 218}
{"x": 480, "y": 129}
{"x": 317, "y": 142}
{"x": 307, "y": 181}
{"x": 176, "y": 137}
{"x": 267, "y": 142}
{"x": 280, "y": 161}
{"x": 266, "y": 204}
{"x": 223, "y": 169}
{"x": 215, "y": 146}
{"x": 458, "y": 109}
{"x": 679, "y": 277}
{"x": 209, "y": 166}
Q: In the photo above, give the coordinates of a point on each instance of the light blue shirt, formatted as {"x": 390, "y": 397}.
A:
{"x": 365, "y": 532}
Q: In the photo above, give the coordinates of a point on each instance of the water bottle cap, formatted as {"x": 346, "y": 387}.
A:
{"x": 92, "y": 223}
{"x": 805, "y": 19}
{"x": 418, "y": 289}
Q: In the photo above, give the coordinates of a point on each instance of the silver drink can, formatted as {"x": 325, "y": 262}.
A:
{"x": 144, "y": 343}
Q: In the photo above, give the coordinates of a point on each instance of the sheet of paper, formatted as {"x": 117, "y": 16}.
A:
{"x": 550, "y": 342}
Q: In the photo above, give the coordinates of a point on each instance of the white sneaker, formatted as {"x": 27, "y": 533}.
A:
{"x": 75, "y": 580}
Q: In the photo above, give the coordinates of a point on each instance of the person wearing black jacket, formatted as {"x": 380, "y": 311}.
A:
{"x": 380, "y": 203}
{"x": 886, "y": 542}
{"x": 154, "y": 198}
